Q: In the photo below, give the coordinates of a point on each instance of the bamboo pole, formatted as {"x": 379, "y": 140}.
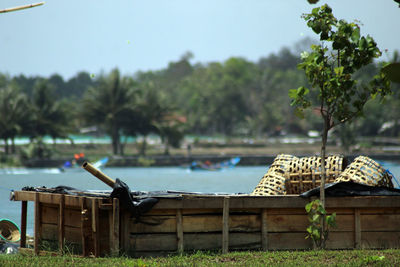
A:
{"x": 20, "y": 7}
{"x": 97, "y": 173}
{"x": 225, "y": 226}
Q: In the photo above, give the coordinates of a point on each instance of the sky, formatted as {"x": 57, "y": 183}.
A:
{"x": 68, "y": 36}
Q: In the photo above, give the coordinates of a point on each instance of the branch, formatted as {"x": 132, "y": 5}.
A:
{"x": 20, "y": 7}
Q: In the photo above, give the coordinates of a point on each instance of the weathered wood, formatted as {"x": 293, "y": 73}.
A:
{"x": 72, "y": 217}
{"x": 179, "y": 230}
{"x": 37, "y": 223}
{"x": 61, "y": 224}
{"x": 357, "y": 229}
{"x": 264, "y": 229}
{"x": 51, "y": 198}
{"x": 237, "y": 201}
{"x": 210, "y": 223}
{"x": 84, "y": 217}
{"x": 381, "y": 240}
{"x": 24, "y": 210}
{"x": 115, "y": 227}
{"x": 237, "y": 223}
{"x": 381, "y": 222}
{"x": 72, "y": 234}
{"x": 95, "y": 227}
{"x": 225, "y": 226}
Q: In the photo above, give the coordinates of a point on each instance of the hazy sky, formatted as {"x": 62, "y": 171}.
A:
{"x": 67, "y": 36}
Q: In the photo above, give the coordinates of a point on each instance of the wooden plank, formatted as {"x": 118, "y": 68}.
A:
{"x": 50, "y": 214}
{"x": 237, "y": 201}
{"x": 24, "y": 210}
{"x": 95, "y": 227}
{"x": 380, "y": 240}
{"x": 370, "y": 211}
{"x": 340, "y": 240}
{"x": 115, "y": 227}
{"x": 37, "y": 224}
{"x": 237, "y": 223}
{"x": 264, "y": 229}
{"x": 179, "y": 230}
{"x": 225, "y": 226}
{"x": 61, "y": 224}
{"x": 381, "y": 222}
{"x": 84, "y": 214}
{"x": 357, "y": 229}
{"x": 72, "y": 234}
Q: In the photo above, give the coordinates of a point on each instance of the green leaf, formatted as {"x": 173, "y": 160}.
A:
{"x": 355, "y": 35}
{"x": 339, "y": 71}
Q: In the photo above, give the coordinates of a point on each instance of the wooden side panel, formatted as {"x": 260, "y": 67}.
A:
{"x": 380, "y": 240}
{"x": 380, "y": 222}
{"x": 72, "y": 217}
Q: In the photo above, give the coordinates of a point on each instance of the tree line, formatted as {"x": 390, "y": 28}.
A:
{"x": 236, "y": 97}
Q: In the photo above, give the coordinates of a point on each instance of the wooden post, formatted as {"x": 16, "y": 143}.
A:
{"x": 179, "y": 230}
{"x": 357, "y": 229}
{"x": 37, "y": 224}
{"x": 24, "y": 210}
{"x": 115, "y": 228}
{"x": 95, "y": 227}
{"x": 125, "y": 233}
{"x": 61, "y": 224}
{"x": 264, "y": 230}
{"x": 225, "y": 226}
{"x": 84, "y": 211}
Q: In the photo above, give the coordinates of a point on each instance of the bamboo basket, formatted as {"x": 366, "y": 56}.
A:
{"x": 310, "y": 173}
{"x": 291, "y": 175}
{"x": 273, "y": 182}
{"x": 364, "y": 170}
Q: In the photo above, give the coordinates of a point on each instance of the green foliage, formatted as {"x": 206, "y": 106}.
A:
{"x": 318, "y": 217}
{"x": 110, "y": 105}
{"x": 330, "y": 69}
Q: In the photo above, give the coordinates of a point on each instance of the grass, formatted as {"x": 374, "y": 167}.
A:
{"x": 278, "y": 258}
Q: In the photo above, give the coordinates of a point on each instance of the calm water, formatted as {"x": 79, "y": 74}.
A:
{"x": 236, "y": 180}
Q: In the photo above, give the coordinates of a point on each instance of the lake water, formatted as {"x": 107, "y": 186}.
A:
{"x": 235, "y": 180}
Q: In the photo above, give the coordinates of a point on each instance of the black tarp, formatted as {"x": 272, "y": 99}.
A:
{"x": 342, "y": 189}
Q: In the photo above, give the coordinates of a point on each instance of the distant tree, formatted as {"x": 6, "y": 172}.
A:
{"x": 108, "y": 106}
{"x": 49, "y": 116}
{"x": 15, "y": 111}
{"x": 330, "y": 68}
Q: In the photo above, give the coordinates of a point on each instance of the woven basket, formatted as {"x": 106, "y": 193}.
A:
{"x": 310, "y": 173}
{"x": 291, "y": 175}
{"x": 273, "y": 182}
{"x": 364, "y": 170}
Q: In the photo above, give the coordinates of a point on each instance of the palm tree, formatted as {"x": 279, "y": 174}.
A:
{"x": 50, "y": 117}
{"x": 15, "y": 112}
{"x": 109, "y": 105}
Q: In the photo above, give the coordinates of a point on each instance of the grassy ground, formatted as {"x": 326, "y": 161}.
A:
{"x": 281, "y": 258}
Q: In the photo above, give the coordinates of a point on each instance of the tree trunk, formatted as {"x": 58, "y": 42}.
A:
{"x": 115, "y": 140}
{"x": 6, "y": 148}
{"x": 166, "y": 150}
{"x": 323, "y": 178}
{"x": 143, "y": 147}
{"x": 13, "y": 145}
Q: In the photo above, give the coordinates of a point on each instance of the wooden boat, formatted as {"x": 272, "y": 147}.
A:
{"x": 95, "y": 224}
{"x": 208, "y": 166}
{"x": 99, "y": 226}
